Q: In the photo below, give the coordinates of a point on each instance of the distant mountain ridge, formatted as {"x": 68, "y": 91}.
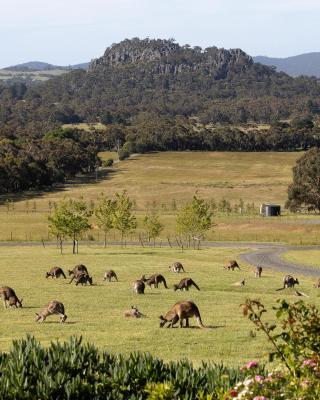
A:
{"x": 304, "y": 64}
{"x": 32, "y": 66}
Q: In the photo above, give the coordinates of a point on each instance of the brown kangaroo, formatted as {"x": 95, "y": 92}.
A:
{"x": 317, "y": 284}
{"x": 55, "y": 272}
{"x": 54, "y": 307}
{"x": 176, "y": 267}
{"x": 180, "y": 311}
{"x": 138, "y": 286}
{"x": 76, "y": 270}
{"x": 134, "y": 312}
{"x": 83, "y": 278}
{"x": 258, "y": 272}
{"x": 184, "y": 284}
{"x": 231, "y": 264}
{"x": 289, "y": 282}
{"x": 154, "y": 280}
{"x": 9, "y": 297}
{"x": 108, "y": 275}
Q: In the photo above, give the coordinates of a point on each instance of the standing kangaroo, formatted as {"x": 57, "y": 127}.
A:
{"x": 138, "y": 286}
{"x": 76, "y": 270}
{"x": 9, "y": 297}
{"x": 184, "y": 284}
{"x": 54, "y": 307}
{"x": 289, "y": 282}
{"x": 176, "y": 267}
{"x": 154, "y": 280}
{"x": 134, "y": 312}
{"x": 55, "y": 272}
{"x": 108, "y": 275}
{"x": 180, "y": 311}
{"x": 258, "y": 272}
{"x": 231, "y": 264}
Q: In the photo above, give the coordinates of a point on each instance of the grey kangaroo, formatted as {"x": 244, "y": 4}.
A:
{"x": 54, "y": 307}
{"x": 184, "y": 284}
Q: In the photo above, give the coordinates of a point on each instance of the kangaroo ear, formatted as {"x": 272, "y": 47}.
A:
{"x": 161, "y": 317}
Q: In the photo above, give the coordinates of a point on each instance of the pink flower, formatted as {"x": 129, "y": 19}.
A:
{"x": 259, "y": 378}
{"x": 252, "y": 364}
{"x": 305, "y": 383}
{"x": 310, "y": 363}
{"x": 260, "y": 398}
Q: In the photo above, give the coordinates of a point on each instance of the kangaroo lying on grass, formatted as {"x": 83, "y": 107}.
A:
{"x": 180, "y": 311}
{"x": 258, "y": 272}
{"x": 134, "y": 312}
{"x": 231, "y": 264}
{"x": 138, "y": 286}
{"x": 108, "y": 275}
{"x": 176, "y": 267}
{"x": 289, "y": 282}
{"x": 9, "y": 297}
{"x": 83, "y": 278}
{"x": 55, "y": 272}
{"x": 76, "y": 270}
{"x": 54, "y": 307}
{"x": 154, "y": 280}
{"x": 184, "y": 284}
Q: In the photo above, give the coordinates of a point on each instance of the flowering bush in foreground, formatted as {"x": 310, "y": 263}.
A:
{"x": 297, "y": 376}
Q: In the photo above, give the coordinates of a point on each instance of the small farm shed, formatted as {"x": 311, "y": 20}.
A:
{"x": 270, "y": 210}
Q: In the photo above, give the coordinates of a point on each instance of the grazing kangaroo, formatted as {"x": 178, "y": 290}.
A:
{"x": 317, "y": 284}
{"x": 54, "y": 307}
{"x": 289, "y": 282}
{"x": 154, "y": 280}
{"x": 108, "y": 275}
{"x": 134, "y": 312}
{"x": 180, "y": 311}
{"x": 241, "y": 283}
{"x": 176, "y": 267}
{"x": 258, "y": 272}
{"x": 184, "y": 284}
{"x": 83, "y": 278}
{"x": 138, "y": 286}
{"x": 231, "y": 264}
{"x": 9, "y": 297}
{"x": 55, "y": 272}
{"x": 76, "y": 270}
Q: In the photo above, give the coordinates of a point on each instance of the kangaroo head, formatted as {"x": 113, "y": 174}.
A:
{"x": 37, "y": 317}
{"x": 47, "y": 274}
{"x": 162, "y": 321}
{"x": 143, "y": 278}
{"x": 19, "y": 303}
{"x": 175, "y": 287}
{"x": 90, "y": 279}
{"x": 70, "y": 272}
{"x": 296, "y": 281}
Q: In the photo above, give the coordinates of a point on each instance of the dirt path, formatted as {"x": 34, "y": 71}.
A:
{"x": 266, "y": 255}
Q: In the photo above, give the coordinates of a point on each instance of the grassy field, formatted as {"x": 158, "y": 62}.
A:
{"x": 96, "y": 312}
{"x": 161, "y": 180}
{"x": 308, "y": 257}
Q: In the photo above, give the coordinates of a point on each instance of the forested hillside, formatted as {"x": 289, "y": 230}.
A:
{"x": 153, "y": 95}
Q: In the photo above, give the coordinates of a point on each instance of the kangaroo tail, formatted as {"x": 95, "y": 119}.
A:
{"x": 200, "y": 323}
{"x": 195, "y": 285}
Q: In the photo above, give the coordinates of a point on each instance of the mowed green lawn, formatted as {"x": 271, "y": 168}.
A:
{"x": 307, "y": 257}
{"x": 96, "y": 312}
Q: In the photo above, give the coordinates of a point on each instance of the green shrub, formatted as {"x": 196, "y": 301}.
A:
{"x": 108, "y": 163}
{"x": 75, "y": 370}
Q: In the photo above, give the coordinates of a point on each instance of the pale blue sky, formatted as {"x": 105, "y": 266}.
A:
{"x": 72, "y": 31}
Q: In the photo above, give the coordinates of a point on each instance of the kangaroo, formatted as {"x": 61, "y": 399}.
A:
{"x": 289, "y": 282}
{"x": 76, "y": 270}
{"x": 55, "y": 272}
{"x": 9, "y": 297}
{"x": 258, "y": 272}
{"x": 138, "y": 286}
{"x": 317, "y": 284}
{"x": 108, "y": 275}
{"x": 184, "y": 284}
{"x": 180, "y": 311}
{"x": 241, "y": 283}
{"x": 176, "y": 267}
{"x": 54, "y": 307}
{"x": 134, "y": 312}
{"x": 83, "y": 278}
{"x": 154, "y": 280}
{"x": 231, "y": 264}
